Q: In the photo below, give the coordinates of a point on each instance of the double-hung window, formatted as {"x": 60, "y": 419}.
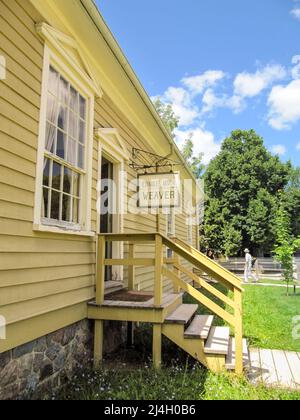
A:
{"x": 64, "y": 167}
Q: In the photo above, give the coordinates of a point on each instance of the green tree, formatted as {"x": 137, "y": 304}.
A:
{"x": 292, "y": 200}
{"x": 171, "y": 121}
{"x": 194, "y": 162}
{"x": 243, "y": 182}
{"x": 286, "y": 245}
{"x": 232, "y": 239}
{"x": 167, "y": 115}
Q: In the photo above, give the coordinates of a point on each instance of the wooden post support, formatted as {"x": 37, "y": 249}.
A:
{"x": 98, "y": 344}
{"x": 238, "y": 332}
{"x": 158, "y": 222}
{"x": 100, "y": 280}
{"x": 157, "y": 340}
{"x": 131, "y": 268}
{"x": 159, "y": 261}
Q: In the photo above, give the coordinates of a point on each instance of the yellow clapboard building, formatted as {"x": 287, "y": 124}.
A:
{"x": 72, "y": 277}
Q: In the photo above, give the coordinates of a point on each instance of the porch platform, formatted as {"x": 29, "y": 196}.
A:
{"x": 111, "y": 310}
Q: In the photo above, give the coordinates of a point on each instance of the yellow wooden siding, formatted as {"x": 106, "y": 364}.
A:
{"x": 42, "y": 275}
{"x": 45, "y": 278}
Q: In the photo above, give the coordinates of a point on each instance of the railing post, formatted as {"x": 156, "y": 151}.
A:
{"x": 131, "y": 287}
{"x": 158, "y": 286}
{"x": 100, "y": 280}
{"x": 131, "y": 268}
{"x": 98, "y": 328}
{"x": 156, "y": 346}
{"x": 238, "y": 332}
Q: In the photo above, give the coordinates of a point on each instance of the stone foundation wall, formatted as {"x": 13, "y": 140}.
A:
{"x": 37, "y": 368}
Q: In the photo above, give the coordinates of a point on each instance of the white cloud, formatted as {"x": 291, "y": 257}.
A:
{"x": 284, "y": 103}
{"x": 298, "y": 146}
{"x": 249, "y": 85}
{"x": 278, "y": 149}
{"x": 296, "y": 69}
{"x": 296, "y": 12}
{"x": 211, "y": 101}
{"x": 197, "y": 84}
{"x": 203, "y": 140}
{"x": 182, "y": 105}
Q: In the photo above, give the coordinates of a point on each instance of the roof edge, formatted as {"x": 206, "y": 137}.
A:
{"x": 111, "y": 41}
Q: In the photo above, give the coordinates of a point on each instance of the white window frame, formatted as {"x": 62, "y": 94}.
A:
{"x": 73, "y": 76}
{"x": 112, "y": 147}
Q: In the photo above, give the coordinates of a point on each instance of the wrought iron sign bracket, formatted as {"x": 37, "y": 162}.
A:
{"x": 145, "y": 162}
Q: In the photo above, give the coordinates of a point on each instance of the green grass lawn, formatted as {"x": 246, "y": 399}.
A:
{"x": 127, "y": 375}
{"x": 268, "y": 315}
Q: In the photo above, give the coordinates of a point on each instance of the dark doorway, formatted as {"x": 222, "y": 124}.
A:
{"x": 106, "y": 219}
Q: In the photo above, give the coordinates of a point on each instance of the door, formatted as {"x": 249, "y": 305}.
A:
{"x": 106, "y": 217}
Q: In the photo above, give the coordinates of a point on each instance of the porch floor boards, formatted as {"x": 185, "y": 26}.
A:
{"x": 275, "y": 368}
{"x": 167, "y": 300}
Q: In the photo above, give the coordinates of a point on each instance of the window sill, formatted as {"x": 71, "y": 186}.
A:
{"x": 57, "y": 230}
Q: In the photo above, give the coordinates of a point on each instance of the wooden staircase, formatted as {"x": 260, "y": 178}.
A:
{"x": 196, "y": 334}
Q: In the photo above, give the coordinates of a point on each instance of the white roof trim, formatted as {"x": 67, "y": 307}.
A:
{"x": 62, "y": 43}
{"x": 112, "y": 140}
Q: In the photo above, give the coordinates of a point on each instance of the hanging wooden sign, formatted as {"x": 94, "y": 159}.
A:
{"x": 159, "y": 190}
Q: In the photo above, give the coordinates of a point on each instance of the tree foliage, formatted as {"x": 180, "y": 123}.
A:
{"x": 167, "y": 115}
{"x": 171, "y": 122}
{"x": 243, "y": 183}
{"x": 194, "y": 162}
{"x": 286, "y": 244}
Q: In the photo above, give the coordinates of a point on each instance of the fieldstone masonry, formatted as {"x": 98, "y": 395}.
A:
{"x": 37, "y": 368}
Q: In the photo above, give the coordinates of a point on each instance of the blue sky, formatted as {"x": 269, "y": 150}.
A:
{"x": 222, "y": 64}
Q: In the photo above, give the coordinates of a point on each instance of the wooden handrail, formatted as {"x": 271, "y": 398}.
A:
{"x": 212, "y": 306}
{"x": 215, "y": 292}
{"x": 194, "y": 257}
{"x": 204, "y": 263}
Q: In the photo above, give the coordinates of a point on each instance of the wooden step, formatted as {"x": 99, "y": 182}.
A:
{"x": 230, "y": 359}
{"x": 182, "y": 315}
{"x": 218, "y": 341}
{"x": 199, "y": 327}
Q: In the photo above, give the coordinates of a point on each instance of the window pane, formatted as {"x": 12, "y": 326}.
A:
{"x": 73, "y": 100}
{"x": 73, "y": 125}
{"x": 82, "y": 107}
{"x": 46, "y": 176}
{"x": 53, "y": 81}
{"x": 75, "y": 218}
{"x": 82, "y": 131}
{"x": 72, "y": 152}
{"x": 67, "y": 181}
{"x": 55, "y": 198}
{"x": 50, "y": 138}
{"x": 66, "y": 208}
{"x": 76, "y": 185}
{"x": 63, "y": 91}
{"x": 80, "y": 156}
{"x": 62, "y": 118}
{"x": 56, "y": 176}
{"x": 61, "y": 144}
{"x": 51, "y": 109}
{"x": 45, "y": 202}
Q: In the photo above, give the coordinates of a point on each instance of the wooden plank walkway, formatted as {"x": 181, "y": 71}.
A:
{"x": 276, "y": 368}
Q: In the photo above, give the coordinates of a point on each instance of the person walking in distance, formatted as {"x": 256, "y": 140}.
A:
{"x": 248, "y": 267}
